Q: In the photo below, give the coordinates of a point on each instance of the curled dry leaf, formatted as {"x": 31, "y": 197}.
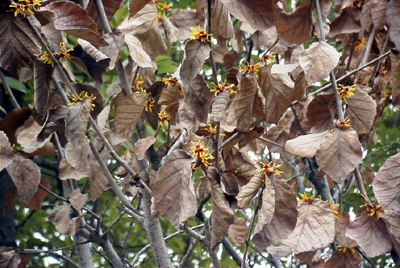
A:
{"x": 60, "y": 217}
{"x": 222, "y": 26}
{"x": 43, "y": 74}
{"x": 244, "y": 101}
{"x": 77, "y": 199}
{"x": 129, "y": 109}
{"x": 66, "y": 171}
{"x": 344, "y": 260}
{"x": 22, "y": 46}
{"x": 315, "y": 227}
{"x": 6, "y": 155}
{"x": 173, "y": 192}
{"x": 144, "y": 26}
{"x": 277, "y": 134}
{"x": 13, "y": 120}
{"x": 393, "y": 21}
{"x": 241, "y": 165}
{"x": 97, "y": 180}
{"x": 348, "y": 22}
{"x": 284, "y": 219}
{"x": 370, "y": 234}
{"x": 306, "y": 145}
{"x": 78, "y": 157}
{"x": 339, "y": 153}
{"x": 279, "y": 251}
{"x": 9, "y": 257}
{"x": 259, "y": 13}
{"x": 395, "y": 77}
{"x": 137, "y": 52}
{"x": 267, "y": 205}
{"x": 136, "y": 5}
{"x": 296, "y": 27}
{"x": 142, "y": 145}
{"x": 113, "y": 50}
{"x": 171, "y": 32}
{"x": 37, "y": 199}
{"x": 320, "y": 113}
{"x": 219, "y": 105}
{"x": 187, "y": 117}
{"x": 392, "y": 220}
{"x": 26, "y": 176}
{"x": 247, "y": 193}
{"x": 198, "y": 97}
{"x": 28, "y": 136}
{"x": 195, "y": 53}
{"x": 386, "y": 182}
{"x": 342, "y": 221}
{"x": 229, "y": 184}
{"x": 185, "y": 19}
{"x": 93, "y": 52}
{"x": 76, "y": 122}
{"x": 361, "y": 110}
{"x": 318, "y": 60}
{"x": 279, "y": 89}
{"x": 237, "y": 231}
{"x": 73, "y": 19}
{"x": 222, "y": 216}
{"x": 55, "y": 119}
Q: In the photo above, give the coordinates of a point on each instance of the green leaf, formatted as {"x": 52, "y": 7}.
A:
{"x": 15, "y": 84}
{"x": 165, "y": 64}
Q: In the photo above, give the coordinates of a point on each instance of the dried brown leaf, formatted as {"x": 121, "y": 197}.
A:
{"x": 370, "y": 234}
{"x": 393, "y": 21}
{"x": 244, "y": 101}
{"x": 144, "y": 26}
{"x": 345, "y": 260}
{"x": 339, "y": 153}
{"x": 78, "y": 157}
{"x": 259, "y": 13}
{"x": 318, "y": 60}
{"x": 247, "y": 193}
{"x": 43, "y": 74}
{"x": 136, "y": 5}
{"x": 277, "y": 134}
{"x": 13, "y": 120}
{"x": 6, "y": 155}
{"x": 170, "y": 31}
{"x": 315, "y": 227}
{"x": 222, "y": 216}
{"x": 60, "y": 217}
{"x": 137, "y": 52}
{"x": 219, "y": 106}
{"x": 342, "y": 221}
{"x": 76, "y": 122}
{"x": 129, "y": 109}
{"x": 73, "y": 19}
{"x": 25, "y": 175}
{"x": 368, "y": 174}
{"x": 113, "y": 50}
{"x": 195, "y": 53}
{"x": 237, "y": 231}
{"x": 55, "y": 119}
{"x": 395, "y": 77}
{"x": 385, "y": 182}
{"x": 37, "y": 199}
{"x": 173, "y": 192}
{"x": 77, "y": 199}
{"x": 306, "y": 145}
{"x": 284, "y": 218}
{"x": 348, "y": 22}
{"x": 279, "y": 89}
{"x": 378, "y": 13}
{"x": 229, "y": 184}
{"x": 66, "y": 171}
{"x": 361, "y": 110}
{"x": 320, "y": 113}
{"x": 279, "y": 251}
{"x": 142, "y": 145}
{"x": 241, "y": 165}
{"x": 296, "y": 27}
{"x": 198, "y": 97}
{"x": 187, "y": 117}
{"x": 21, "y": 45}
{"x": 267, "y": 206}
{"x": 10, "y": 197}
{"x": 222, "y": 26}
{"x": 9, "y": 257}
{"x": 28, "y": 134}
{"x": 392, "y": 220}
{"x": 185, "y": 19}
{"x": 97, "y": 180}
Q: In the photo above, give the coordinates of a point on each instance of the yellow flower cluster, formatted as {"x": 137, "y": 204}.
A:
{"x": 199, "y": 34}
{"x": 345, "y": 250}
{"x": 163, "y": 9}
{"x": 372, "y": 208}
{"x": 344, "y": 123}
{"x": 270, "y": 167}
{"x": 305, "y": 198}
{"x": 200, "y": 153}
{"x": 251, "y": 68}
{"x": 63, "y": 54}
{"x": 270, "y": 58}
{"x": 162, "y": 115}
{"x": 345, "y": 92}
{"x": 148, "y": 105}
{"x": 359, "y": 44}
{"x": 27, "y": 6}
{"x": 75, "y": 99}
{"x": 221, "y": 87}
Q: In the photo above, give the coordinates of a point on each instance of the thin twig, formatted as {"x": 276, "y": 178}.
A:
{"x": 365, "y": 256}
{"x": 70, "y": 261}
{"x": 8, "y": 90}
{"x": 360, "y": 183}
{"x": 126, "y": 239}
{"x": 272, "y": 142}
{"x": 188, "y": 253}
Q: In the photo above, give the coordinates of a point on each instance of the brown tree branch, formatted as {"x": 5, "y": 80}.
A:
{"x": 8, "y": 90}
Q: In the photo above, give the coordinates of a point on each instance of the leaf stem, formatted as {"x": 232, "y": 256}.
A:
{"x": 8, "y": 90}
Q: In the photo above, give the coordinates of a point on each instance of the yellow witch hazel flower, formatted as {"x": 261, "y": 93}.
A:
{"x": 200, "y": 153}
{"x": 268, "y": 58}
{"x": 372, "y": 208}
{"x": 221, "y": 87}
{"x": 332, "y": 207}
{"x": 28, "y": 6}
{"x": 344, "y": 123}
{"x": 200, "y": 34}
{"x": 346, "y": 250}
{"x": 75, "y": 99}
{"x": 270, "y": 167}
{"x": 359, "y": 44}
{"x": 148, "y": 105}
{"x": 251, "y": 68}
{"x": 345, "y": 92}
{"x": 213, "y": 130}
{"x": 305, "y": 198}
{"x": 162, "y": 115}
{"x": 63, "y": 54}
